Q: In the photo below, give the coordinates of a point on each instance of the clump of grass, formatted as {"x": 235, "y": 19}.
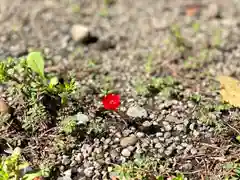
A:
{"x": 13, "y": 166}
{"x": 142, "y": 168}
{"x": 232, "y": 170}
{"x": 43, "y": 94}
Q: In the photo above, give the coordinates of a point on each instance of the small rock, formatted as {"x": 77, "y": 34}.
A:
{"x": 79, "y": 158}
{"x": 146, "y": 124}
{"x": 79, "y": 33}
{"x": 128, "y": 141}
{"x": 158, "y": 145}
{"x": 73, "y": 163}
{"x": 68, "y": 172}
{"x": 167, "y": 126}
{"x": 173, "y": 119}
{"x": 187, "y": 166}
{"x": 180, "y": 127}
{"x": 80, "y": 170}
{"x": 167, "y": 135}
{"x": 131, "y": 148}
{"x": 52, "y": 156}
{"x": 64, "y": 178}
{"x": 137, "y": 111}
{"x": 193, "y": 151}
{"x": 4, "y": 107}
{"x": 82, "y": 118}
{"x": 159, "y": 134}
{"x": 126, "y": 152}
{"x": 66, "y": 160}
{"x": 195, "y": 133}
{"x": 212, "y": 11}
{"x": 140, "y": 134}
{"x": 86, "y": 150}
{"x": 89, "y": 172}
{"x": 192, "y": 126}
{"x": 168, "y": 152}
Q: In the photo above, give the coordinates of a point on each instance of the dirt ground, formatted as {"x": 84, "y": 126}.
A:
{"x": 192, "y": 42}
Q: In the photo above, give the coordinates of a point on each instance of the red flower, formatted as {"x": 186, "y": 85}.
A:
{"x": 111, "y": 101}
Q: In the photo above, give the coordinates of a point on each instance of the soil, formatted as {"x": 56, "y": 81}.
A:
{"x": 133, "y": 42}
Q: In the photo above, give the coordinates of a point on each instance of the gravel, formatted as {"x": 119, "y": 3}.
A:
{"x": 126, "y": 153}
{"x": 127, "y": 141}
{"x": 137, "y": 111}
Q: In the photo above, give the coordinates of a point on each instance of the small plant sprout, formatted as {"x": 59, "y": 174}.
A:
{"x": 14, "y": 167}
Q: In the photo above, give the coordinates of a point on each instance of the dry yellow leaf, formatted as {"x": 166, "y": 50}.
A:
{"x": 230, "y": 90}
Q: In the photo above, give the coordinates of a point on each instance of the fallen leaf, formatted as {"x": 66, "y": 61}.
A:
{"x": 230, "y": 90}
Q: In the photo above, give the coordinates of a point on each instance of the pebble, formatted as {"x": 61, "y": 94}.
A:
{"x": 196, "y": 133}
{"x": 128, "y": 141}
{"x": 140, "y": 134}
{"x": 66, "y": 160}
{"x": 158, "y": 146}
{"x": 137, "y": 111}
{"x": 4, "y": 107}
{"x": 125, "y": 152}
{"x": 64, "y": 178}
{"x": 167, "y": 135}
{"x": 89, "y": 172}
{"x": 180, "y": 127}
{"x": 86, "y": 150}
{"x": 192, "y": 126}
{"x": 79, "y": 32}
{"x": 68, "y": 172}
{"x": 173, "y": 119}
{"x": 159, "y": 134}
{"x": 147, "y": 124}
{"x": 167, "y": 126}
{"x": 193, "y": 151}
{"x": 79, "y": 158}
{"x": 82, "y": 118}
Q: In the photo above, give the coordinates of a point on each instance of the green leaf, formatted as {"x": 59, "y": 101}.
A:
{"x": 53, "y": 82}
{"x": 35, "y": 61}
{"x": 238, "y": 138}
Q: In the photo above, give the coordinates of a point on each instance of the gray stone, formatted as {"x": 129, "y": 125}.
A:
{"x": 136, "y": 111}
{"x": 114, "y": 154}
{"x": 192, "y": 126}
{"x": 140, "y": 134}
{"x": 168, "y": 152}
{"x": 79, "y": 32}
{"x": 82, "y": 118}
{"x": 68, "y": 172}
{"x": 80, "y": 170}
{"x": 126, "y": 132}
{"x": 128, "y": 141}
{"x": 73, "y": 163}
{"x": 167, "y": 135}
{"x": 159, "y": 134}
{"x": 79, "y": 158}
{"x": 193, "y": 151}
{"x": 173, "y": 119}
{"x": 66, "y": 160}
{"x": 64, "y": 178}
{"x": 158, "y": 146}
{"x": 180, "y": 127}
{"x": 167, "y": 126}
{"x": 195, "y": 133}
{"x": 89, "y": 172}
{"x": 146, "y": 123}
{"x": 131, "y": 148}
{"x": 125, "y": 152}
{"x": 86, "y": 150}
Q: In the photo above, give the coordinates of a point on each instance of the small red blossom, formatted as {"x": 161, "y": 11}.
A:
{"x": 111, "y": 101}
